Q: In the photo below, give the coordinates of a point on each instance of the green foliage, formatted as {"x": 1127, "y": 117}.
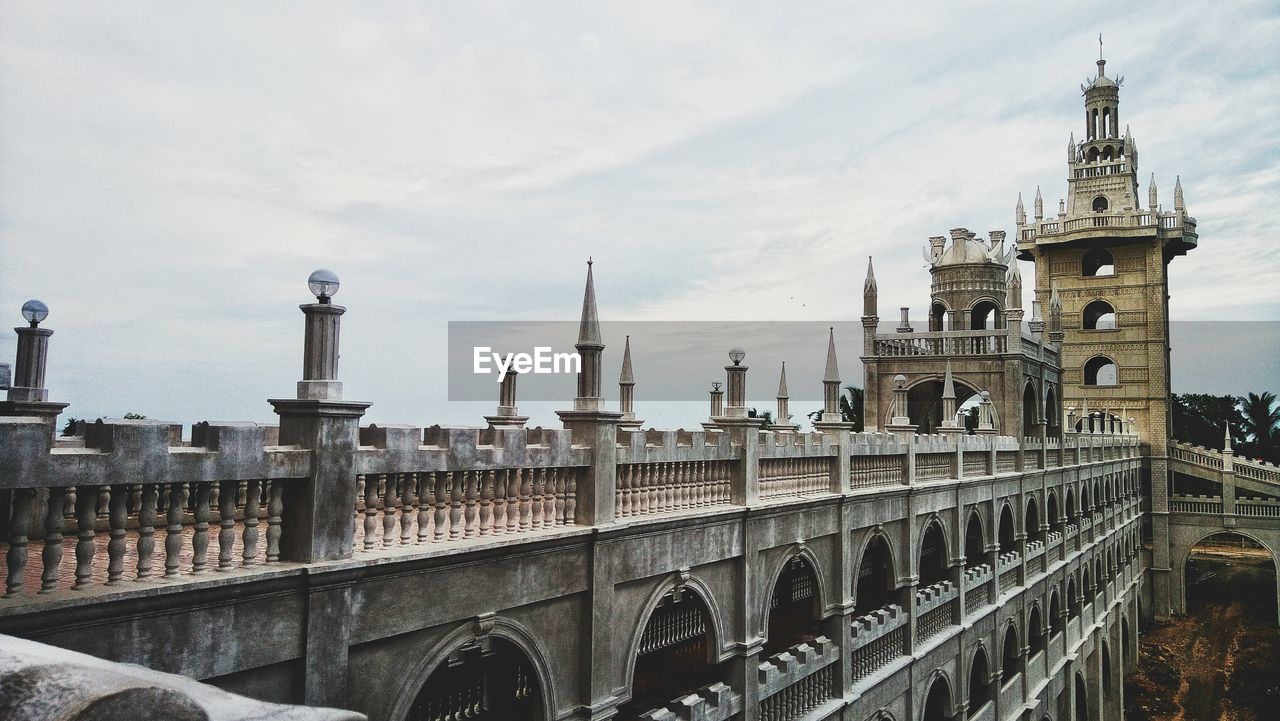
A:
{"x": 134, "y": 417}
{"x": 70, "y": 428}
{"x": 1261, "y": 424}
{"x": 766, "y": 415}
{"x": 1199, "y": 418}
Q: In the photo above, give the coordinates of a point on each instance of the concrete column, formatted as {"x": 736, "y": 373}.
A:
{"x": 320, "y": 352}
{"x": 27, "y": 395}
{"x": 599, "y": 431}
{"x": 328, "y": 640}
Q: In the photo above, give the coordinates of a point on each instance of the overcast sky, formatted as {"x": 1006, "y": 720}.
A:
{"x": 170, "y": 173}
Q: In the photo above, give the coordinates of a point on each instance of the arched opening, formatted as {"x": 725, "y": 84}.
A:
{"x": 1052, "y": 426}
{"x": 1006, "y": 527}
{"x": 939, "y": 319}
{"x": 1032, "y": 518}
{"x": 1101, "y": 371}
{"x": 1098, "y": 261}
{"x": 1035, "y": 631}
{"x": 1081, "y": 699}
{"x": 974, "y": 543}
{"x": 1030, "y": 411}
{"x": 489, "y": 678}
{"x": 1100, "y": 204}
{"x": 1098, "y": 315}
{"x": 924, "y": 403}
{"x": 794, "y": 611}
{"x": 674, "y": 655}
{"x": 984, "y": 315}
{"x": 1011, "y": 655}
{"x": 1229, "y": 574}
{"x": 875, "y": 581}
{"x": 1085, "y": 589}
{"x": 937, "y": 705}
{"x": 1108, "y": 153}
{"x": 1124, "y": 643}
{"x": 1055, "y": 613}
{"x": 1107, "y": 131}
{"x": 1051, "y": 510}
{"x": 933, "y": 555}
{"x": 1106, "y": 669}
{"x": 979, "y": 690}
{"x": 1071, "y": 507}
{"x": 1073, "y": 599}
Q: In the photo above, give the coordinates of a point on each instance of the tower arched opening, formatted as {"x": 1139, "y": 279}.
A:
{"x": 1030, "y": 411}
{"x": 939, "y": 318}
{"x": 1098, "y": 315}
{"x": 1101, "y": 371}
{"x": 1098, "y": 261}
{"x": 1053, "y": 426}
{"x": 924, "y": 403}
{"x": 795, "y": 614}
{"x": 984, "y": 315}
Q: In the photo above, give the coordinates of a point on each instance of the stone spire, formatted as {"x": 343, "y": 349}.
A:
{"x": 1151, "y": 194}
{"x": 869, "y": 292}
{"x": 1039, "y": 204}
{"x": 1178, "y": 204}
{"x": 782, "y": 382}
{"x": 1226, "y": 437}
{"x": 1071, "y": 148}
{"x": 832, "y": 373}
{"x": 1056, "y": 333}
{"x": 780, "y": 418}
{"x": 627, "y": 389}
{"x": 831, "y": 383}
{"x": 1014, "y": 299}
{"x": 1020, "y": 213}
{"x": 590, "y": 348}
{"x": 949, "y": 424}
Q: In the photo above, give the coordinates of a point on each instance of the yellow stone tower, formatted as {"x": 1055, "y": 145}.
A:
{"x": 1104, "y": 259}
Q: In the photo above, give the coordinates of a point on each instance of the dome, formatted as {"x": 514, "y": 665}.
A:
{"x": 964, "y": 250}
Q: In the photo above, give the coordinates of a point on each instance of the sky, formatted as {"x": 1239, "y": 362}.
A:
{"x": 170, "y": 174}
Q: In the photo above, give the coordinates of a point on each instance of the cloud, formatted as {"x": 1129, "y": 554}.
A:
{"x": 170, "y": 176}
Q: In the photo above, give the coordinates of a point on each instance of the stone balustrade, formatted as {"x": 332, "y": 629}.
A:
{"x": 783, "y": 477}
{"x": 878, "y": 638}
{"x": 786, "y": 669}
{"x": 1179, "y": 503}
{"x": 715, "y": 702}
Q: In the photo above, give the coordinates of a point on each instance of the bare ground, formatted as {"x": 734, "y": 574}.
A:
{"x": 1221, "y": 662}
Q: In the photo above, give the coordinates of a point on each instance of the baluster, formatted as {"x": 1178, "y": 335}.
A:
{"x": 173, "y": 530}
{"x": 526, "y": 500}
{"x": 513, "y": 499}
{"x": 52, "y": 555}
{"x": 571, "y": 496}
{"x": 86, "y": 515}
{"x": 500, "y": 501}
{"x": 624, "y": 491}
{"x": 426, "y": 506}
{"x": 535, "y": 498}
{"x": 252, "y": 506}
{"x": 275, "y": 511}
{"x": 455, "y": 504}
{"x": 486, "y": 505}
{"x": 118, "y": 516}
{"x": 471, "y": 483}
{"x": 370, "y": 510}
{"x": 654, "y": 471}
{"x": 408, "y": 485}
{"x": 104, "y": 502}
{"x": 557, "y": 502}
{"x": 228, "y": 490}
{"x": 147, "y": 529}
{"x": 442, "y": 506}
{"x": 389, "y": 508}
{"x": 640, "y": 493}
{"x": 16, "y": 557}
{"x": 670, "y": 502}
{"x": 200, "y": 538}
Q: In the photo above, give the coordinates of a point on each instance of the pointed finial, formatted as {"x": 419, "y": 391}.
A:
{"x": 627, "y": 377}
{"x": 1039, "y": 206}
{"x": 1226, "y": 437}
{"x": 589, "y": 327}
{"x": 1055, "y": 300}
{"x": 832, "y": 374}
{"x": 1019, "y": 213}
{"x": 948, "y": 385}
{"x": 1178, "y": 203}
{"x": 782, "y": 382}
{"x": 1099, "y": 46}
{"x": 869, "y": 291}
{"x": 1071, "y": 148}
{"x": 1151, "y": 194}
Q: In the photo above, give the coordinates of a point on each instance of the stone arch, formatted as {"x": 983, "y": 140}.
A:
{"x": 1180, "y": 554}
{"x": 1124, "y": 641}
{"x": 1101, "y": 371}
{"x": 939, "y": 315}
{"x": 1055, "y": 612}
{"x": 878, "y": 550}
{"x": 933, "y": 559}
{"x": 1006, "y": 528}
{"x": 1096, "y": 260}
{"x": 1106, "y": 669}
{"x": 1053, "y": 426}
{"x": 1011, "y": 660}
{"x": 1031, "y": 518}
{"x": 924, "y": 401}
{"x": 1081, "y": 698}
{"x": 984, "y": 314}
{"x": 1073, "y": 598}
{"x": 1100, "y": 202}
{"x": 1030, "y": 408}
{"x": 1051, "y": 510}
{"x": 1098, "y": 314}
{"x": 938, "y": 702}
{"x": 975, "y": 539}
{"x": 482, "y": 628}
{"x": 979, "y": 685}
{"x": 1035, "y": 629}
{"x": 820, "y": 598}
{"x": 681, "y": 582}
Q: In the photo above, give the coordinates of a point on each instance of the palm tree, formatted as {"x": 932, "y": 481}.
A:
{"x": 850, "y": 408}
{"x": 1262, "y": 423}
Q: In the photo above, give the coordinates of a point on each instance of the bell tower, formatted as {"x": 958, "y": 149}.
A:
{"x": 1108, "y": 259}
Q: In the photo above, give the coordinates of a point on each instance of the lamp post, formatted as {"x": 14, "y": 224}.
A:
{"x": 27, "y": 395}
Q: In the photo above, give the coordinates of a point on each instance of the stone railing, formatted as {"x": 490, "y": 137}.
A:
{"x": 933, "y": 609}
{"x": 876, "y": 471}
{"x": 1257, "y": 508}
{"x": 878, "y": 638}
{"x": 781, "y": 477}
{"x": 716, "y": 702}
{"x": 648, "y": 488}
{"x": 942, "y": 343}
{"x": 1195, "y": 504}
{"x": 1007, "y": 570}
{"x": 798, "y": 680}
{"x": 975, "y": 588}
{"x": 1168, "y": 220}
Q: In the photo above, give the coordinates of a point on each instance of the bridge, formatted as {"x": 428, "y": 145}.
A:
{"x": 1247, "y": 503}
{"x": 588, "y": 572}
